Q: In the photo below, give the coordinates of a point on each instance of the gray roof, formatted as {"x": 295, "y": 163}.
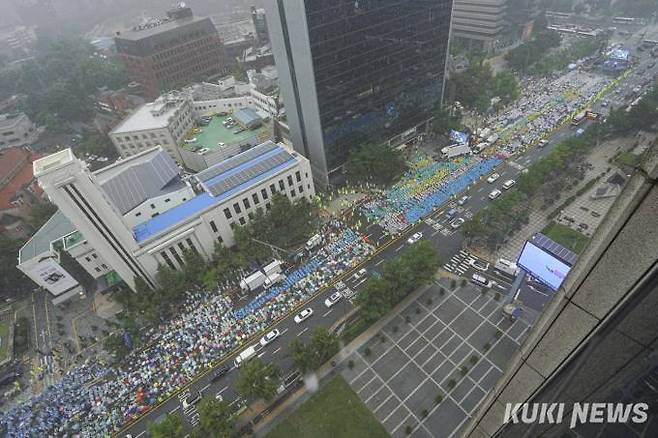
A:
{"x": 246, "y": 116}
{"x": 55, "y": 228}
{"x": 142, "y": 180}
{"x": 567, "y": 256}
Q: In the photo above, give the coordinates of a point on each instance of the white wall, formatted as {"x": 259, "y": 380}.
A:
{"x": 157, "y": 205}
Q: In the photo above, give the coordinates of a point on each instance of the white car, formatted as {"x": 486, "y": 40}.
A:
{"x": 359, "y": 275}
{"x": 333, "y": 299}
{"x": 493, "y": 178}
{"x": 269, "y": 337}
{"x": 463, "y": 200}
{"x": 303, "y": 315}
{"x": 457, "y": 223}
{"x": 508, "y": 184}
{"x": 415, "y": 238}
{"x": 494, "y": 194}
{"x": 340, "y": 285}
{"x": 190, "y": 140}
{"x": 191, "y": 399}
{"x": 481, "y": 281}
{"x": 542, "y": 143}
{"x": 479, "y": 265}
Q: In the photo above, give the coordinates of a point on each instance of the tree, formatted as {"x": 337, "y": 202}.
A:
{"x": 258, "y": 379}
{"x": 301, "y": 355}
{"x": 239, "y": 72}
{"x": 443, "y": 121}
{"x": 216, "y": 418}
{"x": 170, "y": 427}
{"x": 324, "y": 344}
{"x": 374, "y": 163}
{"x": 11, "y": 279}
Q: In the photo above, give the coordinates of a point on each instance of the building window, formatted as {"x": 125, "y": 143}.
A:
{"x": 94, "y": 256}
{"x": 263, "y": 193}
{"x": 272, "y": 189}
{"x": 237, "y": 209}
{"x": 166, "y": 258}
{"x": 88, "y": 259}
{"x": 232, "y": 225}
{"x": 254, "y": 197}
{"x": 298, "y": 176}
{"x": 268, "y": 206}
{"x": 282, "y": 185}
{"x": 191, "y": 244}
{"x": 227, "y": 213}
{"x": 168, "y": 199}
{"x": 245, "y": 201}
{"x": 213, "y": 227}
{"x": 152, "y": 205}
{"x": 301, "y": 189}
{"x": 219, "y": 239}
{"x": 242, "y": 221}
{"x": 173, "y": 252}
{"x": 182, "y": 247}
{"x": 97, "y": 269}
{"x": 292, "y": 193}
{"x": 103, "y": 265}
{"x": 138, "y": 214}
{"x": 289, "y": 180}
{"x": 251, "y": 216}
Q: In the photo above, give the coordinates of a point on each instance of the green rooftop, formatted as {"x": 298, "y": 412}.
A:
{"x": 73, "y": 239}
{"x": 210, "y": 136}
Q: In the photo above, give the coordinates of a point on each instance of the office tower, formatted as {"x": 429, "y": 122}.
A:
{"x": 353, "y": 71}
{"x": 260, "y": 25}
{"x": 168, "y": 53}
{"x": 479, "y": 22}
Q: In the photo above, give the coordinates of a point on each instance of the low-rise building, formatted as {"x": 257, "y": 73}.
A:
{"x": 164, "y": 122}
{"x": 16, "y": 129}
{"x": 140, "y": 213}
{"x": 18, "y": 191}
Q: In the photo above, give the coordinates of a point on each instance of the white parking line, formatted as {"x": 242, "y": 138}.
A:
{"x": 204, "y": 388}
{"x": 276, "y": 351}
{"x": 436, "y": 232}
{"x": 223, "y": 389}
{"x": 142, "y": 433}
{"x": 284, "y": 331}
{"x": 262, "y": 354}
{"x": 327, "y": 312}
{"x": 399, "y": 248}
{"x": 380, "y": 262}
{"x": 172, "y": 411}
{"x": 302, "y": 332}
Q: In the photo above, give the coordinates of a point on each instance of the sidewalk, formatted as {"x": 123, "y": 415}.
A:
{"x": 327, "y": 371}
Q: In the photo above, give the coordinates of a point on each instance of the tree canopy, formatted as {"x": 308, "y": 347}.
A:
{"x": 216, "y": 419}
{"x": 374, "y": 163}
{"x": 258, "y": 379}
{"x": 323, "y": 345}
{"x": 523, "y": 56}
{"x": 477, "y": 85}
{"x": 170, "y": 427}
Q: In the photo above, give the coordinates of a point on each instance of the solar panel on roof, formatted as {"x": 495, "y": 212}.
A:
{"x": 554, "y": 248}
{"x": 225, "y": 184}
{"x": 236, "y": 161}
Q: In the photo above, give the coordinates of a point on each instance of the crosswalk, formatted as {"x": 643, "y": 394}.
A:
{"x": 516, "y": 165}
{"x": 459, "y": 263}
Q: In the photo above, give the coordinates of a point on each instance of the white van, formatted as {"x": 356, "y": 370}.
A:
{"x": 480, "y": 280}
{"x": 245, "y": 355}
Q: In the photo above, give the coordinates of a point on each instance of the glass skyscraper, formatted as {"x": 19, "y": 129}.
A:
{"x": 352, "y": 71}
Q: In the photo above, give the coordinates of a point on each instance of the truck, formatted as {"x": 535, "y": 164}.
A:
{"x": 455, "y": 151}
{"x": 247, "y": 354}
{"x": 313, "y": 242}
{"x": 506, "y": 267}
{"x": 253, "y": 281}
{"x": 493, "y": 138}
{"x": 578, "y": 118}
{"x": 274, "y": 267}
{"x": 480, "y": 147}
{"x": 273, "y": 279}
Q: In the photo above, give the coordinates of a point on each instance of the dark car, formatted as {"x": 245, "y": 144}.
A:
{"x": 220, "y": 372}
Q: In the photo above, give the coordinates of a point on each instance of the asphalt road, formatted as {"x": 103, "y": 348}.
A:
{"x": 446, "y": 240}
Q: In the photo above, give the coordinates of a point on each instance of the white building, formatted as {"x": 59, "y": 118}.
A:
{"x": 164, "y": 122}
{"x": 17, "y": 130}
{"x": 138, "y": 213}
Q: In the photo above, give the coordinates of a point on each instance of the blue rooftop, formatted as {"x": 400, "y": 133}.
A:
{"x": 221, "y": 182}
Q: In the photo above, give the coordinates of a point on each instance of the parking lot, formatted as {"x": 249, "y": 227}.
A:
{"x": 425, "y": 373}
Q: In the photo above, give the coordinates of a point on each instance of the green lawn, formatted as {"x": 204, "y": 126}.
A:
{"x": 4, "y": 339}
{"x": 334, "y": 412}
{"x": 628, "y": 158}
{"x": 566, "y": 237}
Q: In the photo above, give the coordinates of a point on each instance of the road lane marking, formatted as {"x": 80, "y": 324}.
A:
{"x": 222, "y": 390}
{"x": 284, "y": 331}
{"x": 327, "y": 312}
{"x": 380, "y": 262}
{"x": 436, "y": 232}
{"x": 302, "y": 332}
{"x": 204, "y": 388}
{"x": 142, "y": 433}
{"x": 262, "y": 354}
{"x": 172, "y": 411}
{"x": 398, "y": 249}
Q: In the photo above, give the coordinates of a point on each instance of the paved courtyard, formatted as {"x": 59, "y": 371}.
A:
{"x": 430, "y": 366}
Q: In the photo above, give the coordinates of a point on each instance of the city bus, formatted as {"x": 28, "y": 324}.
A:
{"x": 624, "y": 20}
